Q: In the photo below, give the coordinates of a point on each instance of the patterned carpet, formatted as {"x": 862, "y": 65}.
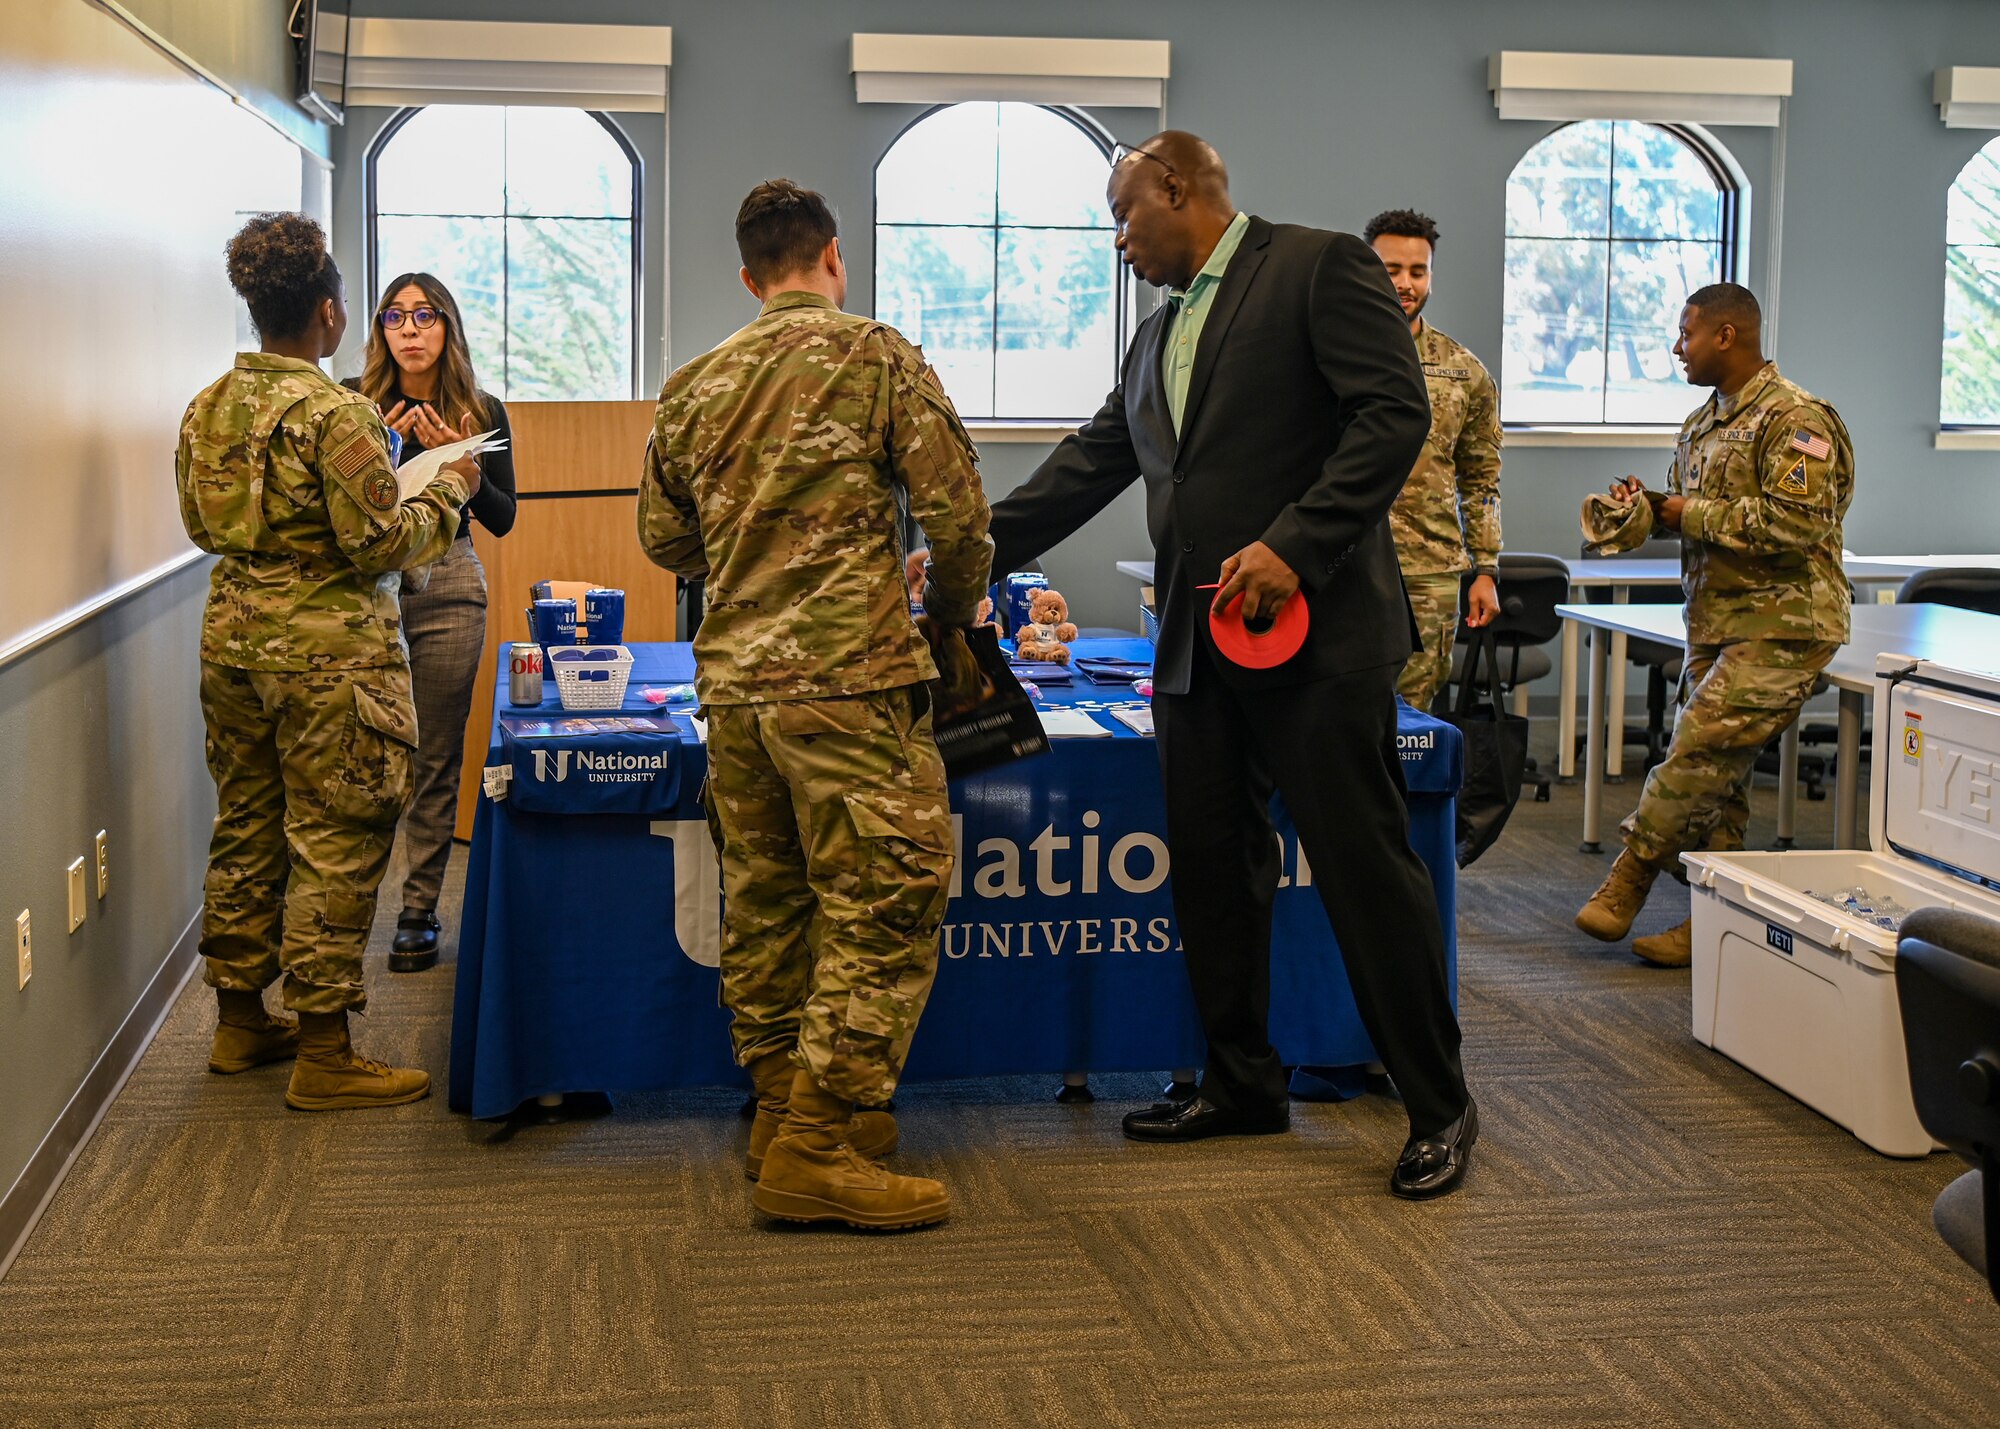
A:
{"x": 1650, "y": 1234}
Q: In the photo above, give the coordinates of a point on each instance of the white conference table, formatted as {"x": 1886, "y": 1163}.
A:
{"x": 1943, "y": 633}
{"x": 1621, "y": 574}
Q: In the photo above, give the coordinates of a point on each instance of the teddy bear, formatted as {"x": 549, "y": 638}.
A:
{"x": 1047, "y": 607}
{"x": 1038, "y": 642}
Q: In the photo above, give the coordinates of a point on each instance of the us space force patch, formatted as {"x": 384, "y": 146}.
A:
{"x": 1793, "y": 482}
{"x": 1454, "y": 374}
{"x": 380, "y": 489}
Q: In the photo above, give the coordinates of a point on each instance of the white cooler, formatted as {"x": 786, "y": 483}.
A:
{"x": 1803, "y": 993}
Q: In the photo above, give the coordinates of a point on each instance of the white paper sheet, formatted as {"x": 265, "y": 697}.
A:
{"x": 423, "y": 468}
{"x": 1064, "y": 723}
{"x": 1138, "y": 718}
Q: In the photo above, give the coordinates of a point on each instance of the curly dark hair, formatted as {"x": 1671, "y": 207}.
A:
{"x": 279, "y": 264}
{"x": 781, "y": 229}
{"x": 1401, "y": 223}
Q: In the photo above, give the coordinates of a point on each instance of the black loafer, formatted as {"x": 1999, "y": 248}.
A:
{"x": 416, "y": 945}
{"x": 1196, "y": 1118}
{"x": 1435, "y": 1165}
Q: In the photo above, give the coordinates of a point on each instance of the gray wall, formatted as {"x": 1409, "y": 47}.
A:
{"x": 1328, "y": 110}
{"x": 102, "y": 730}
{"x": 243, "y": 43}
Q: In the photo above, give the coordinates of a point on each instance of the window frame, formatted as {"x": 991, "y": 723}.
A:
{"x": 1962, "y": 436}
{"x": 1732, "y": 191}
{"x": 387, "y": 134}
{"x": 1123, "y": 302}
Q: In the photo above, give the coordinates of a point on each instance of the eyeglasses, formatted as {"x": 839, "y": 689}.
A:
{"x": 1120, "y": 153}
{"x": 422, "y": 317}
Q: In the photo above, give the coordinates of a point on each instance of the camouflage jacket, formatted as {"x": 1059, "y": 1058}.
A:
{"x": 1768, "y": 476}
{"x": 1447, "y": 518}
{"x": 285, "y": 475}
{"x": 778, "y": 468}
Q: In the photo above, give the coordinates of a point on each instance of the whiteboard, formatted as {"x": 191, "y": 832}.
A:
{"x": 124, "y": 176}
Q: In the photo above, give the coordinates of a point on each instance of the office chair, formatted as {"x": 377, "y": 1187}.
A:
{"x": 1966, "y": 587}
{"x": 1948, "y": 987}
{"x": 1531, "y": 587}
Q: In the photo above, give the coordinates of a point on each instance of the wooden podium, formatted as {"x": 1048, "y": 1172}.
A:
{"x": 576, "y": 468}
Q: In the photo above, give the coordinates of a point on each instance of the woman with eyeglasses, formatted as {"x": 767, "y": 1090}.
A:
{"x": 418, "y": 370}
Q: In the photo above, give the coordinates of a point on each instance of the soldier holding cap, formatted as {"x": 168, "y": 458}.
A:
{"x": 1447, "y": 519}
{"x": 1761, "y": 478}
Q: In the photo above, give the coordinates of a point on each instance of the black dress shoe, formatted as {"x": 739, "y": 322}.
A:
{"x": 1435, "y": 1165}
{"x": 1197, "y": 1118}
{"x": 416, "y": 945}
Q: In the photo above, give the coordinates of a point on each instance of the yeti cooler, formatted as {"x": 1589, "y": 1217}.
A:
{"x": 1803, "y": 993}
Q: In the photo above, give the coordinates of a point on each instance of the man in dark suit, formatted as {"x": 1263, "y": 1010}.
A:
{"x": 1273, "y": 407}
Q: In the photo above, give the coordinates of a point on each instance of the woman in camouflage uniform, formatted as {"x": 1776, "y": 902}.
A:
{"x": 305, "y": 679}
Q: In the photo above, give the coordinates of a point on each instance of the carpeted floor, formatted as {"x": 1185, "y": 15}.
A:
{"x": 1650, "y": 1234}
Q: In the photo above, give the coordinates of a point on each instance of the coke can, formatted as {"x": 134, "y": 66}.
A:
{"x": 524, "y": 673}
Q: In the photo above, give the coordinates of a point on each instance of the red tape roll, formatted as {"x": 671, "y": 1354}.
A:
{"x": 1259, "y": 651}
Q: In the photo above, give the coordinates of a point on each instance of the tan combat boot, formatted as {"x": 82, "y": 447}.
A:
{"x": 1608, "y": 915}
{"x": 813, "y": 1173}
{"x": 872, "y": 1133}
{"x": 246, "y": 1035}
{"x": 329, "y": 1076}
{"x": 1671, "y": 949}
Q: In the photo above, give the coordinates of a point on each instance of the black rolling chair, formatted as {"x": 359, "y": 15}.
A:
{"x": 1967, "y": 587}
{"x": 1531, "y": 587}
{"x": 1948, "y": 986}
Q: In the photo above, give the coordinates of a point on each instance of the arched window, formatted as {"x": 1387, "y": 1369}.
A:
{"x": 1972, "y": 294}
{"x": 530, "y": 215}
{"x": 1610, "y": 225}
{"x": 993, "y": 251}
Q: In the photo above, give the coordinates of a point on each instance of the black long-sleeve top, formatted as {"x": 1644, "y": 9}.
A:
{"x": 493, "y": 505}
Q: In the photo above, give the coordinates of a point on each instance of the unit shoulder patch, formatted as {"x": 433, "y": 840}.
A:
{"x": 1793, "y": 482}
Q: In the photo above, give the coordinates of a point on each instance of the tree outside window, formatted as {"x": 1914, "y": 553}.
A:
{"x": 1972, "y": 294}
{"x": 993, "y": 252}
{"x": 1610, "y": 225}
{"x": 529, "y": 216}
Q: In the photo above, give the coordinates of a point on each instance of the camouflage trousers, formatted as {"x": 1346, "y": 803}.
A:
{"x": 312, "y": 770}
{"x": 1735, "y": 699}
{"x": 834, "y": 828}
{"x": 1434, "y": 599}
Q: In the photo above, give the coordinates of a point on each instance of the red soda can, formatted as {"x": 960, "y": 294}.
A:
{"x": 524, "y": 673}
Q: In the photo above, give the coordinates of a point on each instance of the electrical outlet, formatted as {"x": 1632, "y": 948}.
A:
{"x": 24, "y": 956}
{"x": 103, "y": 863}
{"x": 75, "y": 872}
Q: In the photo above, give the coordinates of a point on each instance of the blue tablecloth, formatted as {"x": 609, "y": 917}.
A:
{"x": 588, "y": 941}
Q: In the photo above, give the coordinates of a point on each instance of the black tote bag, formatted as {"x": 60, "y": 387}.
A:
{"x": 1496, "y": 751}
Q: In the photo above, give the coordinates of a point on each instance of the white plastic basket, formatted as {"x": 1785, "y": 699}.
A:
{"x": 586, "y": 679}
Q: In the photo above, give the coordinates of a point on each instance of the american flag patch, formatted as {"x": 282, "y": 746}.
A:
{"x": 1811, "y": 443}
{"x": 357, "y": 456}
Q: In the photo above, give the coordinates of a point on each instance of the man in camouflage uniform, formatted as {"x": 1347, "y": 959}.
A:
{"x": 1447, "y": 519}
{"x": 1761, "y": 478}
{"x": 776, "y": 470}
{"x": 305, "y": 688}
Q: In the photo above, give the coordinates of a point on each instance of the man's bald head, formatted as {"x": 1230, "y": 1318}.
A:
{"x": 1170, "y": 200}
{"x": 1194, "y": 159}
